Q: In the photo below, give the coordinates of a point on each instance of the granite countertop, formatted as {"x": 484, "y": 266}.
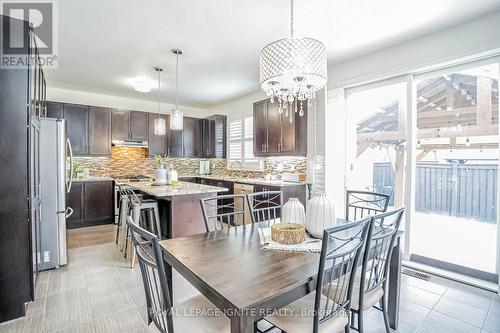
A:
{"x": 251, "y": 181}
{"x": 181, "y": 188}
{"x": 92, "y": 179}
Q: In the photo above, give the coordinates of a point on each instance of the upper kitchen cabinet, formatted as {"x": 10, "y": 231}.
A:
{"x": 139, "y": 126}
{"x": 55, "y": 110}
{"x": 275, "y": 134}
{"x": 77, "y": 120}
{"x": 214, "y": 136}
{"x": 192, "y": 137}
{"x": 130, "y": 125}
{"x": 157, "y": 144}
{"x": 99, "y": 130}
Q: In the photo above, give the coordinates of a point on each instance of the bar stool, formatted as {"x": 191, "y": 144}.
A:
{"x": 123, "y": 213}
{"x": 144, "y": 213}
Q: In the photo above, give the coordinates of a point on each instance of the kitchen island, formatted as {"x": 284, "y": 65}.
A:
{"x": 179, "y": 205}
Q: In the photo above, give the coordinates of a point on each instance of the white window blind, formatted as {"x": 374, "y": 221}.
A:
{"x": 241, "y": 145}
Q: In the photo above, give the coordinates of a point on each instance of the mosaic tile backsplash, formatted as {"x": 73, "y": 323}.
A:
{"x": 126, "y": 161}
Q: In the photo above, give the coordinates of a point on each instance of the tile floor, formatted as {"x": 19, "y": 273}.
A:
{"x": 97, "y": 292}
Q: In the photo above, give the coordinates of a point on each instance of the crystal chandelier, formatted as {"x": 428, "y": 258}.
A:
{"x": 176, "y": 115}
{"x": 292, "y": 70}
{"x": 160, "y": 126}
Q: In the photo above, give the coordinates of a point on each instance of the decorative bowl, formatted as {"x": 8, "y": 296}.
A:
{"x": 288, "y": 233}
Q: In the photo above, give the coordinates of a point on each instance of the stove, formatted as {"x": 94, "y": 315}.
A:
{"x": 135, "y": 178}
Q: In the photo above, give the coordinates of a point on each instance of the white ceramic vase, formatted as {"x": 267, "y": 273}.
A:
{"x": 293, "y": 212}
{"x": 161, "y": 175}
{"x": 320, "y": 215}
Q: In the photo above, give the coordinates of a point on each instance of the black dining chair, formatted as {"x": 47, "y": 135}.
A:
{"x": 370, "y": 285}
{"x": 265, "y": 206}
{"x": 224, "y": 211}
{"x": 160, "y": 309}
{"x": 360, "y": 204}
{"x": 340, "y": 255}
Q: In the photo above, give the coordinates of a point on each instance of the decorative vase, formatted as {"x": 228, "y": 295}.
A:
{"x": 293, "y": 212}
{"x": 161, "y": 175}
{"x": 320, "y": 215}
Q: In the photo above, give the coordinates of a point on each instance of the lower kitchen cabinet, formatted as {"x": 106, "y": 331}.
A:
{"x": 92, "y": 204}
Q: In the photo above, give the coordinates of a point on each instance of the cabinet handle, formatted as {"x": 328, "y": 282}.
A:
{"x": 279, "y": 146}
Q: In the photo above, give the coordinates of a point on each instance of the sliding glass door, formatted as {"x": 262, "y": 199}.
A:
{"x": 454, "y": 222}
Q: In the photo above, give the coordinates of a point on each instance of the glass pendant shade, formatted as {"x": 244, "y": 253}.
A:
{"x": 160, "y": 126}
{"x": 176, "y": 120}
{"x": 292, "y": 70}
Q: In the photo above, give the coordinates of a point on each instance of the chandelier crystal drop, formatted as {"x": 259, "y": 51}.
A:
{"x": 176, "y": 115}
{"x": 292, "y": 70}
{"x": 160, "y": 126}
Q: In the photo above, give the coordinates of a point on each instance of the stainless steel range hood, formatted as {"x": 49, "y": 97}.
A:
{"x": 130, "y": 143}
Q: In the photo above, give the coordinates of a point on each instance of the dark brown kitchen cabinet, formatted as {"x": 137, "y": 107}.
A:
{"x": 92, "y": 203}
{"x": 139, "y": 126}
{"x": 130, "y": 125}
{"x": 98, "y": 202}
{"x": 175, "y": 144}
{"x": 192, "y": 137}
{"x": 75, "y": 201}
{"x": 99, "y": 130}
{"x": 120, "y": 125}
{"x": 55, "y": 110}
{"x": 275, "y": 134}
{"x": 214, "y": 136}
{"x": 157, "y": 144}
{"x": 77, "y": 120}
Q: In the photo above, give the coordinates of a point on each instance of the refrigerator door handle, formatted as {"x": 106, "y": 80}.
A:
{"x": 69, "y": 212}
{"x": 70, "y": 182}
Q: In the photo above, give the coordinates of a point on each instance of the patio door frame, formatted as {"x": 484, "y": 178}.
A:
{"x": 411, "y": 80}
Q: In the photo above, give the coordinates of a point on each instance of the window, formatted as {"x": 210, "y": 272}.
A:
{"x": 241, "y": 145}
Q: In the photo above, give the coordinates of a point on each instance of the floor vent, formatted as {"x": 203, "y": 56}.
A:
{"x": 415, "y": 274}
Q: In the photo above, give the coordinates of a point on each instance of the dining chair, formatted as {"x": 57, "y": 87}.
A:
{"x": 160, "y": 309}
{"x": 364, "y": 203}
{"x": 265, "y": 206}
{"x": 224, "y": 211}
{"x": 340, "y": 255}
{"x": 370, "y": 285}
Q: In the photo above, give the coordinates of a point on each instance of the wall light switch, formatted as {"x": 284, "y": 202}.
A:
{"x": 46, "y": 256}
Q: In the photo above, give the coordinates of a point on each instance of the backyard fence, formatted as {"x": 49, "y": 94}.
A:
{"x": 453, "y": 189}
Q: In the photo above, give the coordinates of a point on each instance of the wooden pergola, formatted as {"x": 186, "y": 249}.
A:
{"x": 450, "y": 106}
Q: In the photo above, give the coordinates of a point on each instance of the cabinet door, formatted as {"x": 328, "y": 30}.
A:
{"x": 55, "y": 110}
{"x": 98, "y": 199}
{"x": 301, "y": 133}
{"x": 157, "y": 143}
{"x": 139, "y": 125}
{"x": 75, "y": 201}
{"x": 259, "y": 128}
{"x": 208, "y": 137}
{"x": 175, "y": 142}
{"x": 77, "y": 120}
{"x": 99, "y": 131}
{"x": 120, "y": 125}
{"x": 287, "y": 134}
{"x": 220, "y": 135}
{"x": 192, "y": 137}
{"x": 273, "y": 129}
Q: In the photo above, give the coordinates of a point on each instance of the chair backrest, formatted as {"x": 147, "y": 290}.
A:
{"x": 132, "y": 196}
{"x": 265, "y": 206}
{"x": 341, "y": 250}
{"x": 148, "y": 251}
{"x": 360, "y": 204}
{"x": 378, "y": 250}
{"x": 223, "y": 211}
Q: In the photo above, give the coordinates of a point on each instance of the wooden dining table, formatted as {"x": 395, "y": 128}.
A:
{"x": 243, "y": 280}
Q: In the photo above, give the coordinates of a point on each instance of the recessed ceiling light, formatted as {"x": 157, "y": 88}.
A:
{"x": 142, "y": 86}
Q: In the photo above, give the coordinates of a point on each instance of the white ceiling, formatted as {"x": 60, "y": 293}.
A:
{"x": 104, "y": 43}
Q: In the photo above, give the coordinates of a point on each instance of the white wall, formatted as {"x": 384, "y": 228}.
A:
{"x": 239, "y": 107}
{"x": 474, "y": 37}
{"x": 88, "y": 98}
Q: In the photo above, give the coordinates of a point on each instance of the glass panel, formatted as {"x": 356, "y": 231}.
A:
{"x": 454, "y": 224}
{"x": 376, "y": 139}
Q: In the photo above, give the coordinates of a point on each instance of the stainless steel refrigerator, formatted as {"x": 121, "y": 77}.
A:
{"x": 55, "y": 182}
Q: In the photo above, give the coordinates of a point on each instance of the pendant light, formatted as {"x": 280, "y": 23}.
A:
{"x": 292, "y": 70}
{"x": 160, "y": 126}
{"x": 176, "y": 115}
